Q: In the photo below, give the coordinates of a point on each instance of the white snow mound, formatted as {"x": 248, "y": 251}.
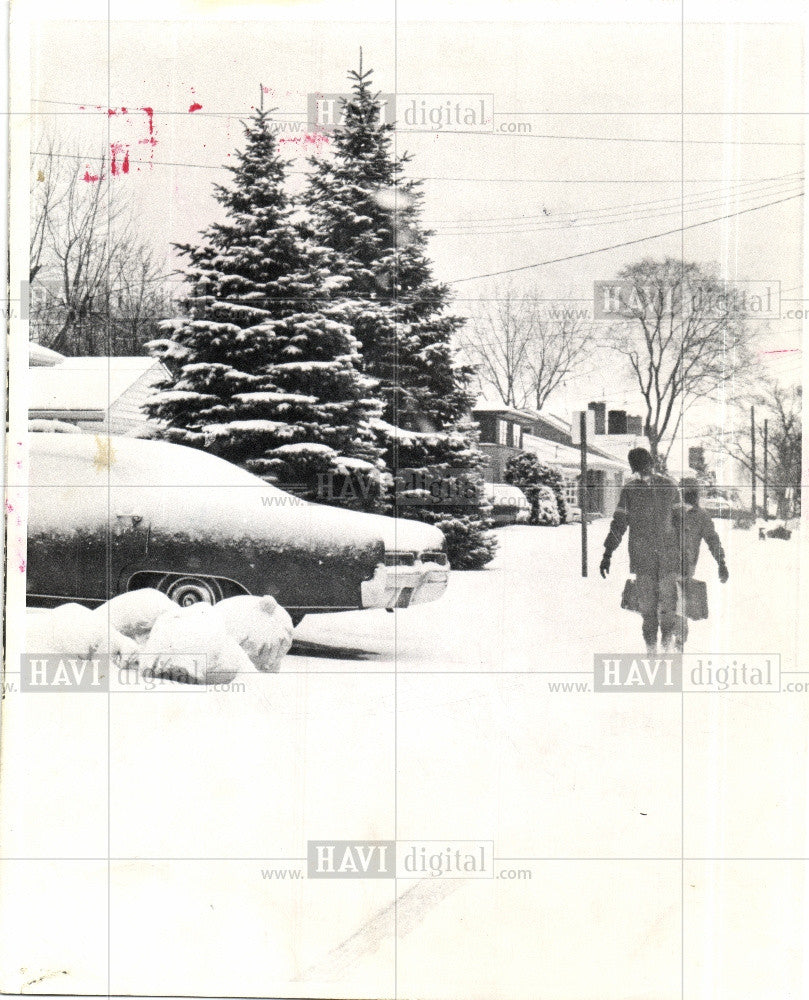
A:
{"x": 260, "y": 626}
{"x": 73, "y": 630}
{"x": 134, "y": 613}
{"x": 192, "y": 644}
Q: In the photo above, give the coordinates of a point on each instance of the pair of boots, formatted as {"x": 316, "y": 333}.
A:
{"x": 668, "y": 644}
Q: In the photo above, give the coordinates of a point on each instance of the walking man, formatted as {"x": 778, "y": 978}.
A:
{"x": 646, "y": 507}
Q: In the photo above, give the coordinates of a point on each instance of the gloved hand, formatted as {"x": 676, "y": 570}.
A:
{"x": 723, "y": 573}
{"x": 604, "y": 568}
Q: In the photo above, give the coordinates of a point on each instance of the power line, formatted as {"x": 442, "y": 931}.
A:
{"x": 630, "y": 211}
{"x": 609, "y": 208}
{"x": 627, "y": 243}
{"x": 434, "y": 178}
{"x": 625, "y": 218}
{"x": 91, "y": 105}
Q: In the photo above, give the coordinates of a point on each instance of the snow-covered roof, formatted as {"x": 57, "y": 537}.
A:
{"x": 487, "y": 406}
{"x": 567, "y": 456}
{"x": 39, "y": 356}
{"x": 85, "y": 384}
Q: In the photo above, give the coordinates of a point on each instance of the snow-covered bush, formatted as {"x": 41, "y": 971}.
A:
{"x": 526, "y": 471}
{"x": 547, "y": 511}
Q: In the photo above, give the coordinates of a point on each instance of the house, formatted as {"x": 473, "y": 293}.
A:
{"x": 506, "y": 431}
{"x": 616, "y": 431}
{"x": 96, "y": 394}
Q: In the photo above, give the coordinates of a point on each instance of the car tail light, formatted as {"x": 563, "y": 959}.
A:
{"x": 435, "y": 556}
{"x": 399, "y": 558}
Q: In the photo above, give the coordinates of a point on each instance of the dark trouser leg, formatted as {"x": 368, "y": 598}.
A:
{"x": 647, "y": 591}
{"x": 673, "y": 623}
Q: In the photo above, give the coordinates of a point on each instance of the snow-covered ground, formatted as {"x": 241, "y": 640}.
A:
{"x": 437, "y": 723}
{"x": 532, "y": 610}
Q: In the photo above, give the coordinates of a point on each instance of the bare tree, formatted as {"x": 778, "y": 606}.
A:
{"x": 781, "y": 406}
{"x": 93, "y": 283}
{"x": 558, "y": 346}
{"x": 48, "y": 190}
{"x": 496, "y": 342}
{"x": 521, "y": 349}
{"x": 138, "y": 300}
{"x": 683, "y": 332}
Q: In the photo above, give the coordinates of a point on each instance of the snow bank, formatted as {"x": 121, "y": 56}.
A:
{"x": 201, "y": 644}
{"x": 73, "y": 630}
{"x": 260, "y": 626}
{"x": 192, "y": 644}
{"x": 133, "y": 614}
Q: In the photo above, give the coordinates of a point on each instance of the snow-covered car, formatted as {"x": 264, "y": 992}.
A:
{"x": 723, "y": 504}
{"x": 112, "y": 514}
{"x": 509, "y": 504}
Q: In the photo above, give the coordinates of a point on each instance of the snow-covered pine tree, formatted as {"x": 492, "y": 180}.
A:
{"x": 362, "y": 208}
{"x": 264, "y": 369}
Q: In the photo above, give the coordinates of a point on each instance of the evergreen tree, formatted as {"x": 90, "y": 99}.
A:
{"x": 264, "y": 368}
{"x": 362, "y": 209}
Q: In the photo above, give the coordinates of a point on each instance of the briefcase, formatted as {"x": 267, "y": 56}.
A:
{"x": 696, "y": 599}
{"x": 629, "y": 598}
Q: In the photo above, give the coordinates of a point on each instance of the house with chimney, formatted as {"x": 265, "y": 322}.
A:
{"x": 506, "y": 431}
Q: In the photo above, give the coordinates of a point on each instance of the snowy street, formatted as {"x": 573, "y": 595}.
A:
{"x": 531, "y": 610}
{"x": 469, "y": 741}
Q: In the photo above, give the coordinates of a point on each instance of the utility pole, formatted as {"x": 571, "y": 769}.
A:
{"x": 765, "y": 501}
{"x": 584, "y": 497}
{"x": 753, "y": 459}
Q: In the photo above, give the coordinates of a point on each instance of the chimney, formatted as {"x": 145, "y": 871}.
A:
{"x": 600, "y": 411}
{"x": 696, "y": 458}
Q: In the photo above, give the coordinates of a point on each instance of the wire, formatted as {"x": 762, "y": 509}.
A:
{"x": 92, "y": 105}
{"x": 610, "y": 208}
{"x": 627, "y": 243}
{"x": 625, "y": 219}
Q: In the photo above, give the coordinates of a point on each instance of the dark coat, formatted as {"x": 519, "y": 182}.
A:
{"x": 646, "y": 508}
{"x": 692, "y": 525}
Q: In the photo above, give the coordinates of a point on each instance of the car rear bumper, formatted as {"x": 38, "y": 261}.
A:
{"x": 401, "y": 586}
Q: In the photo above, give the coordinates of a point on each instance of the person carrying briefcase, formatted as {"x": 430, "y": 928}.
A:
{"x": 692, "y": 524}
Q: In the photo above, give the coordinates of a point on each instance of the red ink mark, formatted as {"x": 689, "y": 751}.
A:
{"x": 316, "y": 139}
{"x": 116, "y": 168}
{"x": 91, "y": 178}
{"x": 786, "y": 350}
{"x": 22, "y": 565}
{"x": 195, "y": 107}
{"x": 9, "y": 506}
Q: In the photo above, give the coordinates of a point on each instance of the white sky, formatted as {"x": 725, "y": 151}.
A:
{"x": 617, "y": 87}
